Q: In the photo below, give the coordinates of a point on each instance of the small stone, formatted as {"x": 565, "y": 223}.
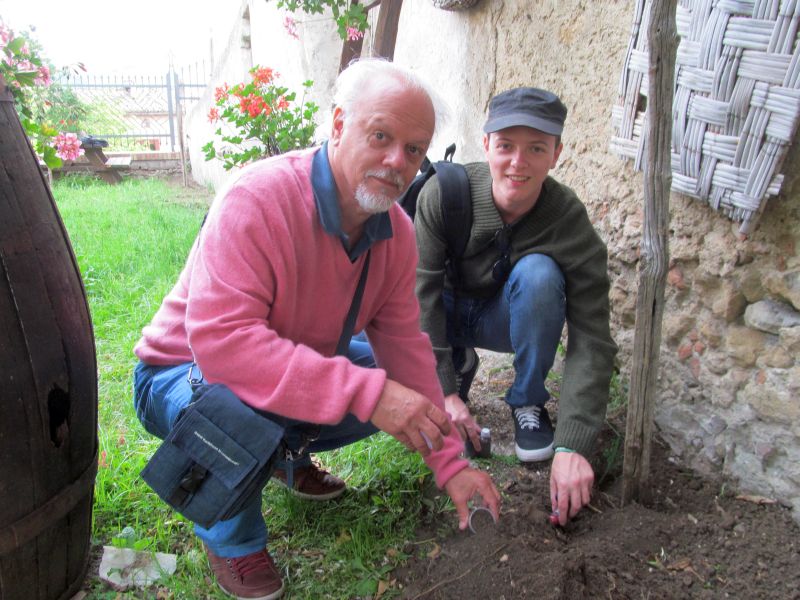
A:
{"x": 771, "y": 316}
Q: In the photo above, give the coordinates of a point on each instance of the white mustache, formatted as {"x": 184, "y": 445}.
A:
{"x": 389, "y": 175}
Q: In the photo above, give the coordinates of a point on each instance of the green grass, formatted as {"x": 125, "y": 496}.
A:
{"x": 131, "y": 241}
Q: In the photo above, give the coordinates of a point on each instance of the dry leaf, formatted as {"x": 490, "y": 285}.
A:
{"x": 680, "y": 565}
{"x": 392, "y": 552}
{"x": 382, "y": 587}
{"x": 435, "y": 552}
{"x": 756, "y": 499}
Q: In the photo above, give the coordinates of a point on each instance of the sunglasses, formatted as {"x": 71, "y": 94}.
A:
{"x": 502, "y": 266}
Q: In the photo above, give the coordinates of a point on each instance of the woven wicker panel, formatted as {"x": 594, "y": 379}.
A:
{"x": 736, "y": 103}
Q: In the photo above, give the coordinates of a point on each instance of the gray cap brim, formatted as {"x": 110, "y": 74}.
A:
{"x": 525, "y": 120}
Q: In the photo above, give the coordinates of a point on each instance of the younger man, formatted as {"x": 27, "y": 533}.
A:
{"x": 533, "y": 260}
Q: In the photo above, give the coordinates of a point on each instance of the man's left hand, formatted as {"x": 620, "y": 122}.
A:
{"x": 571, "y": 480}
{"x": 462, "y": 487}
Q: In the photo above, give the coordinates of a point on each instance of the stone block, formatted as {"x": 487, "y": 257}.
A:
{"x": 776, "y": 357}
{"x": 772, "y": 401}
{"x": 729, "y": 303}
{"x": 675, "y": 326}
{"x": 771, "y": 316}
{"x": 785, "y": 285}
{"x": 744, "y": 345}
{"x": 711, "y": 333}
{"x": 789, "y": 339}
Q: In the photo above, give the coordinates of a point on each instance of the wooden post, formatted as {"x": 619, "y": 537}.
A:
{"x": 654, "y": 258}
{"x": 386, "y": 30}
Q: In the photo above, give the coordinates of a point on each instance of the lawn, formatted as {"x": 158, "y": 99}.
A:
{"x": 131, "y": 241}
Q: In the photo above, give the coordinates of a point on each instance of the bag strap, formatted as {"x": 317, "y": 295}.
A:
{"x": 350, "y": 321}
{"x": 456, "y": 213}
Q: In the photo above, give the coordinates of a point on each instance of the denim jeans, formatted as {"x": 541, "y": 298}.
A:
{"x": 160, "y": 393}
{"x": 526, "y": 317}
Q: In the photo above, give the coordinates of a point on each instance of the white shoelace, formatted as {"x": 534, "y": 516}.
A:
{"x": 528, "y": 417}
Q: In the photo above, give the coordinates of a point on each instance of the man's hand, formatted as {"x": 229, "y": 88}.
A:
{"x": 571, "y": 479}
{"x": 462, "y": 487}
{"x": 464, "y": 422}
{"x": 411, "y": 418}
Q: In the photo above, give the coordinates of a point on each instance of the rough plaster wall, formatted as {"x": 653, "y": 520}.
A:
{"x": 230, "y": 65}
{"x": 729, "y": 397}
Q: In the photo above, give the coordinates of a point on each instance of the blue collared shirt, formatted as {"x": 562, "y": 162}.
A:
{"x": 377, "y": 227}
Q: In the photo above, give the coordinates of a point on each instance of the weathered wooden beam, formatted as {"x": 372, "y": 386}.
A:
{"x": 386, "y": 29}
{"x": 654, "y": 258}
{"x": 350, "y": 50}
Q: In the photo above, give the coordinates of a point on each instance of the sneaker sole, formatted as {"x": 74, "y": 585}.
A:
{"x": 318, "y": 497}
{"x": 538, "y": 455}
{"x": 273, "y": 596}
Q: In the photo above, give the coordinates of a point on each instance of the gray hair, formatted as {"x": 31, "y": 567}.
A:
{"x": 351, "y": 83}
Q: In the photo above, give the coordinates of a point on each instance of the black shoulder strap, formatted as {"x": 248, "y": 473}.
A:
{"x": 350, "y": 320}
{"x": 456, "y": 211}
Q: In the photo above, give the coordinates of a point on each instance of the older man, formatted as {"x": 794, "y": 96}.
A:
{"x": 533, "y": 260}
{"x": 260, "y": 305}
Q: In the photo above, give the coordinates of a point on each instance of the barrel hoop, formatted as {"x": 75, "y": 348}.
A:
{"x": 31, "y": 525}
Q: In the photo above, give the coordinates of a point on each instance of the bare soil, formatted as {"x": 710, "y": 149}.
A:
{"x": 695, "y": 538}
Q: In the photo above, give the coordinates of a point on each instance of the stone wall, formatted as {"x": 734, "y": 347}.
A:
{"x": 729, "y": 376}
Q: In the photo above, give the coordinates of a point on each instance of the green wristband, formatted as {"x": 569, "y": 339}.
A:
{"x": 564, "y": 449}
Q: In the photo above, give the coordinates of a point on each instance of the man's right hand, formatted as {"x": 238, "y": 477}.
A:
{"x": 411, "y": 418}
{"x": 464, "y": 422}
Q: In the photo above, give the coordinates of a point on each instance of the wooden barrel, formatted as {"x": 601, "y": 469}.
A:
{"x": 48, "y": 385}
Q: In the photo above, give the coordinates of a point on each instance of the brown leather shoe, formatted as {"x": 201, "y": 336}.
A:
{"x": 250, "y": 577}
{"x": 313, "y": 483}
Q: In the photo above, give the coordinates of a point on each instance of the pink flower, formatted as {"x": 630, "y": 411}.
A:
{"x": 354, "y": 34}
{"x": 68, "y": 146}
{"x": 43, "y": 76}
{"x": 282, "y": 104}
{"x": 213, "y": 115}
{"x": 6, "y": 35}
{"x": 221, "y": 92}
{"x": 290, "y": 25}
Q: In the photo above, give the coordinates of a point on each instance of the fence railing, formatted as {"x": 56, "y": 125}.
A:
{"x": 137, "y": 112}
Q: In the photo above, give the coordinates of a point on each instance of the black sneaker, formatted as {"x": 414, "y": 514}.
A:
{"x": 533, "y": 433}
{"x": 466, "y": 362}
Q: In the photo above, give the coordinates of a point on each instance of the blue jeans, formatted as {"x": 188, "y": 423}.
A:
{"x": 526, "y": 317}
{"x": 160, "y": 393}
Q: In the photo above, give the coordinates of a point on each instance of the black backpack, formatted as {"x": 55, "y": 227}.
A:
{"x": 456, "y": 207}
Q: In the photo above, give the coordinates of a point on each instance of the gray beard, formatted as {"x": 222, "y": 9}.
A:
{"x": 373, "y": 203}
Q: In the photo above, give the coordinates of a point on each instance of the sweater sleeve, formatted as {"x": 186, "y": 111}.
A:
{"x": 432, "y": 247}
{"x": 405, "y": 352}
{"x": 590, "y": 348}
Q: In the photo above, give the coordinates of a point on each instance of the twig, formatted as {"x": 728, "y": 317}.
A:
{"x": 595, "y": 509}
{"x": 457, "y": 577}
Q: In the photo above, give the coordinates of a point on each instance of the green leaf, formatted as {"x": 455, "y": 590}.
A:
{"x": 366, "y": 587}
{"x": 16, "y": 44}
{"x": 51, "y": 159}
{"x": 26, "y": 77}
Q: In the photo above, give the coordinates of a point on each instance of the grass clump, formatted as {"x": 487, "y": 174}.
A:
{"x": 131, "y": 241}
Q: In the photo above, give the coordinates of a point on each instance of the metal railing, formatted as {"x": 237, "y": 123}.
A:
{"x": 137, "y": 112}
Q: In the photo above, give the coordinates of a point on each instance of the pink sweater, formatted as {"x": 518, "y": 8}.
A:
{"x": 263, "y": 296}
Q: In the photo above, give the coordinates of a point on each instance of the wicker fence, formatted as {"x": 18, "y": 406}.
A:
{"x": 736, "y": 102}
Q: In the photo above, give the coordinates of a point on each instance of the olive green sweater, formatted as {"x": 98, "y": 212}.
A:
{"x": 557, "y": 226}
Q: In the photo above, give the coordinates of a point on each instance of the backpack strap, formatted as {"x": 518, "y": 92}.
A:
{"x": 456, "y": 214}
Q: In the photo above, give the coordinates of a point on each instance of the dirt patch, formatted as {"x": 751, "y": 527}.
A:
{"x": 696, "y": 538}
